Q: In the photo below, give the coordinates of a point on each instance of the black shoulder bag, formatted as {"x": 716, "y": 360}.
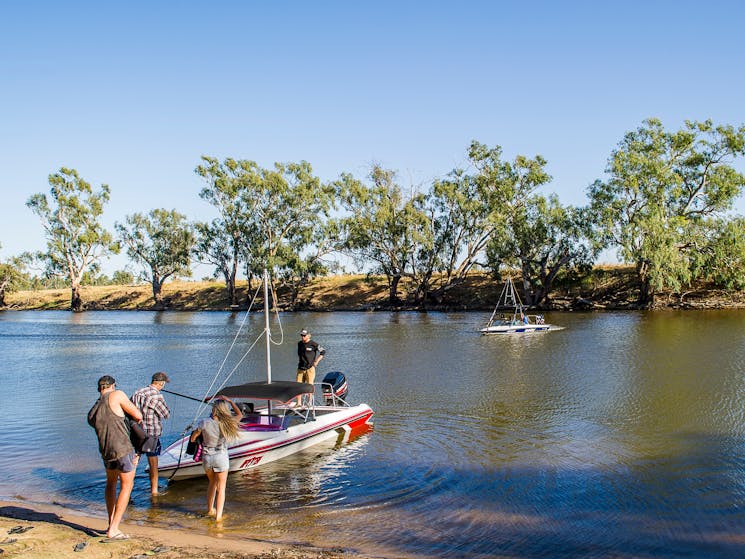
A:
{"x": 139, "y": 438}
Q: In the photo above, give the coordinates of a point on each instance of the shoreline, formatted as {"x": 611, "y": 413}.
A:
{"x": 610, "y": 289}
{"x": 37, "y": 531}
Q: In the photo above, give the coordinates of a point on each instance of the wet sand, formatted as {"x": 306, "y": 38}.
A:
{"x": 49, "y": 532}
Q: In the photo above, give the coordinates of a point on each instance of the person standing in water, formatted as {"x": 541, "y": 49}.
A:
{"x": 154, "y": 410}
{"x": 217, "y": 430}
{"x": 108, "y": 418}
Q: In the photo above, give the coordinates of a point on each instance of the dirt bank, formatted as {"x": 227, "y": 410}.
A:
{"x": 606, "y": 288}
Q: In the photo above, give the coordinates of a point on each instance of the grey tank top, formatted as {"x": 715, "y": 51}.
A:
{"x": 112, "y": 430}
{"x": 212, "y": 440}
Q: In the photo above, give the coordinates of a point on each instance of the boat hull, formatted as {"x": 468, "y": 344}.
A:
{"x": 517, "y": 328}
{"x": 254, "y": 448}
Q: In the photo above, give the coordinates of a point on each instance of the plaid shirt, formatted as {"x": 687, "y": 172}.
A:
{"x": 153, "y": 407}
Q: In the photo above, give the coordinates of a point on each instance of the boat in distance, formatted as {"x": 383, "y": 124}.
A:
{"x": 514, "y": 319}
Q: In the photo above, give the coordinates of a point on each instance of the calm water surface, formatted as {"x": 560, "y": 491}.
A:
{"x": 622, "y": 435}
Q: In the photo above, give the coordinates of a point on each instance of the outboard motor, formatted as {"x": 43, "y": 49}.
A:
{"x": 334, "y": 386}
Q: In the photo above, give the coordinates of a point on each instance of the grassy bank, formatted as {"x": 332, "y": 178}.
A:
{"x": 605, "y": 288}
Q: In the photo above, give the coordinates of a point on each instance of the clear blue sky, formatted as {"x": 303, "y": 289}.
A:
{"x": 131, "y": 94}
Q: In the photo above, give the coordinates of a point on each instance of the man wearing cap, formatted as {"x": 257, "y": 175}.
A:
{"x": 310, "y": 355}
{"x": 108, "y": 418}
{"x": 154, "y": 410}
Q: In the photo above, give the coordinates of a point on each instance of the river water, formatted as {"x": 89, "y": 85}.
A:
{"x": 622, "y": 435}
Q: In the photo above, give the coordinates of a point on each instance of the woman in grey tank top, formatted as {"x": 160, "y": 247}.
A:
{"x": 217, "y": 431}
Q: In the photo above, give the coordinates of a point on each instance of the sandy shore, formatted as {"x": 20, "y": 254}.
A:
{"x": 49, "y": 532}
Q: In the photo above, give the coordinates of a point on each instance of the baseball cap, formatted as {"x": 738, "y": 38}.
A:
{"x": 304, "y": 332}
{"x": 160, "y": 377}
{"x": 105, "y": 381}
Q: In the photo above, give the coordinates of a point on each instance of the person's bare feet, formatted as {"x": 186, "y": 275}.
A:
{"x": 118, "y": 536}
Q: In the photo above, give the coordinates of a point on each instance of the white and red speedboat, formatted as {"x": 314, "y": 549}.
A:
{"x": 280, "y": 418}
{"x": 276, "y": 429}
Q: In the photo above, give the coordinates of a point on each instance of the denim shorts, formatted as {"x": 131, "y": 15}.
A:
{"x": 125, "y": 463}
{"x": 218, "y": 462}
{"x": 157, "y": 450}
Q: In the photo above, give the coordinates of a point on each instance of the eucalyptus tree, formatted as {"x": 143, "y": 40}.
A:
{"x": 314, "y": 261}
{"x": 12, "y": 274}
{"x": 542, "y": 239}
{"x": 76, "y": 240}
{"x": 290, "y": 210}
{"x": 719, "y": 254}
{"x": 222, "y": 242}
{"x": 161, "y": 242}
{"x": 385, "y": 226}
{"x": 468, "y": 208}
{"x": 457, "y": 229}
{"x": 269, "y": 218}
{"x": 661, "y": 184}
{"x": 218, "y": 247}
{"x": 122, "y": 277}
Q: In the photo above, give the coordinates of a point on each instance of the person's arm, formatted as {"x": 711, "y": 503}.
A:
{"x": 236, "y": 409}
{"x": 195, "y": 434}
{"x": 127, "y": 406}
{"x": 160, "y": 407}
{"x": 321, "y": 353}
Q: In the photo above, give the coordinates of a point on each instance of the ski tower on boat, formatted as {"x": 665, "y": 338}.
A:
{"x": 280, "y": 417}
{"x": 509, "y": 316}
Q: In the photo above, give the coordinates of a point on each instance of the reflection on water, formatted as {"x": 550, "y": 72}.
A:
{"x": 621, "y": 435}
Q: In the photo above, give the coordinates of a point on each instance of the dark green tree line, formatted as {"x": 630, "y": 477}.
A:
{"x": 663, "y": 204}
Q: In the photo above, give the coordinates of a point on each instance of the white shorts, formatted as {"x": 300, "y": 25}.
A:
{"x": 218, "y": 462}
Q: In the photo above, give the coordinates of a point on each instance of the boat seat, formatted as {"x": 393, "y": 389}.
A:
{"x": 259, "y": 427}
{"x": 258, "y": 422}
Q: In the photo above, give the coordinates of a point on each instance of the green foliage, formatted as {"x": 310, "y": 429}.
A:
{"x": 13, "y": 275}
{"x": 161, "y": 242}
{"x": 290, "y": 207}
{"x": 36, "y": 283}
{"x": 505, "y": 186}
{"x": 469, "y": 209}
{"x": 661, "y": 185}
{"x": 269, "y": 218}
{"x": 385, "y": 225}
{"x": 542, "y": 238}
{"x": 90, "y": 278}
{"x": 720, "y": 254}
{"x": 76, "y": 240}
{"x": 122, "y": 277}
{"x": 221, "y": 242}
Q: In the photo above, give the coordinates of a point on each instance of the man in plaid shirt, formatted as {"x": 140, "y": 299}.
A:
{"x": 154, "y": 410}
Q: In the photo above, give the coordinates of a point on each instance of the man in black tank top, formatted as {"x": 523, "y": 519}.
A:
{"x": 107, "y": 417}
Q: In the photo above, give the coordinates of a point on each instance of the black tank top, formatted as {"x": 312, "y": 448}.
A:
{"x": 112, "y": 430}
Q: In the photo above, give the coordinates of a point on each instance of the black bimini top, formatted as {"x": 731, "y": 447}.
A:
{"x": 279, "y": 390}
